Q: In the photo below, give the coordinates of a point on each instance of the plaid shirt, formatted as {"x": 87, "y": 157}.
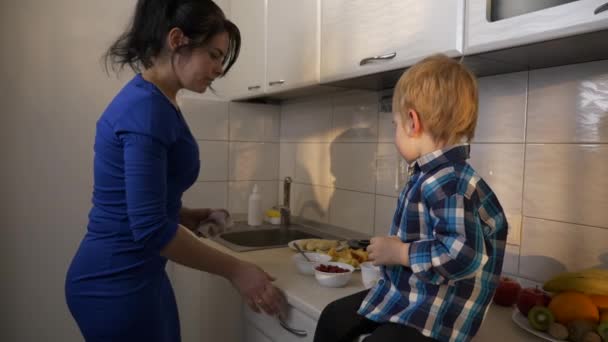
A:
{"x": 457, "y": 233}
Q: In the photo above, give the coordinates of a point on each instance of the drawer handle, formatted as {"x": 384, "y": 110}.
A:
{"x": 368, "y": 60}
{"x": 601, "y": 9}
{"x": 254, "y": 87}
{"x": 297, "y": 332}
{"x": 276, "y": 82}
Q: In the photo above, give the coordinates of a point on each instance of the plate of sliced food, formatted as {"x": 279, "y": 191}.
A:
{"x": 338, "y": 250}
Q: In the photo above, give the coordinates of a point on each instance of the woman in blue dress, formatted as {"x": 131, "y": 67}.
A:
{"x": 145, "y": 158}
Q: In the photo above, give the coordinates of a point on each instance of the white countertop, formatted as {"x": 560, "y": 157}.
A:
{"x": 306, "y": 295}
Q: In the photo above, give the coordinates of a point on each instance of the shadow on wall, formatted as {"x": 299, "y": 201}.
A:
{"x": 315, "y": 198}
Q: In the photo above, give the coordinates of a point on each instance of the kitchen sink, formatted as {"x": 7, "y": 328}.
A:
{"x": 243, "y": 237}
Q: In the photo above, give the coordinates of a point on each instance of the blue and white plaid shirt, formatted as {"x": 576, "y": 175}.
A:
{"x": 457, "y": 233}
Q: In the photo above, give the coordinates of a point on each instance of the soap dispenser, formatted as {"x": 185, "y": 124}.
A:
{"x": 254, "y": 213}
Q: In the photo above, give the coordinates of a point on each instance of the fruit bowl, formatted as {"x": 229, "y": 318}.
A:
{"x": 523, "y": 323}
{"x": 330, "y": 279}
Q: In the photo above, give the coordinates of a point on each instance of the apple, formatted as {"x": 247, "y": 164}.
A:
{"x": 507, "y": 292}
{"x": 530, "y": 297}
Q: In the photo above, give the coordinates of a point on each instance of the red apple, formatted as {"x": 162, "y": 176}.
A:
{"x": 507, "y": 292}
{"x": 530, "y": 297}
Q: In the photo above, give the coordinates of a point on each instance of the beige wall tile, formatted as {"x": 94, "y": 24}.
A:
{"x": 254, "y": 122}
{"x": 287, "y": 163}
{"x": 307, "y": 121}
{"x": 355, "y": 117}
{"x": 549, "y": 247}
{"x": 569, "y": 104}
{"x": 311, "y": 202}
{"x": 313, "y": 164}
{"x": 214, "y": 160}
{"x": 353, "y": 210}
{"x": 353, "y": 166}
{"x": 567, "y": 183}
{"x": 502, "y": 108}
{"x": 511, "y": 261}
{"x": 384, "y": 213}
{"x": 238, "y": 195}
{"x": 206, "y": 195}
{"x": 253, "y": 161}
{"x": 387, "y": 170}
{"x": 502, "y": 167}
{"x": 208, "y": 119}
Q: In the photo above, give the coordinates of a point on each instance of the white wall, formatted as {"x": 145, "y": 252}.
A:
{"x": 53, "y": 89}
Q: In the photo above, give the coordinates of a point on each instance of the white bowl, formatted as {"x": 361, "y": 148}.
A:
{"x": 306, "y": 267}
{"x": 334, "y": 279}
{"x": 370, "y": 274}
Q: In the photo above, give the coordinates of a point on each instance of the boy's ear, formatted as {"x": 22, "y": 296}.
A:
{"x": 414, "y": 124}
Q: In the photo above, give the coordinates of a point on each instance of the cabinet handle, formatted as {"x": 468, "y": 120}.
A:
{"x": 256, "y": 87}
{"x": 276, "y": 82}
{"x": 378, "y": 58}
{"x": 601, "y": 9}
{"x": 297, "y": 332}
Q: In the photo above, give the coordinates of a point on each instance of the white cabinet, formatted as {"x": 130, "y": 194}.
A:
{"x": 297, "y": 327}
{"x": 293, "y": 44}
{"x": 207, "y": 304}
{"x": 252, "y": 334}
{"x": 247, "y": 77}
{"x": 280, "y": 47}
{"x": 397, "y": 32}
{"x": 485, "y": 34}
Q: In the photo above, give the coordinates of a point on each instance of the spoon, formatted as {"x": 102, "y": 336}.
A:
{"x": 301, "y": 251}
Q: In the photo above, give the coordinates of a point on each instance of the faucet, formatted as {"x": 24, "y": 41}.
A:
{"x": 284, "y": 209}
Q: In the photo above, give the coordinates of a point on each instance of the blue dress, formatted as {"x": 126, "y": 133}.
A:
{"x": 145, "y": 158}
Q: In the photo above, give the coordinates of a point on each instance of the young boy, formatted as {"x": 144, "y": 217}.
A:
{"x": 443, "y": 257}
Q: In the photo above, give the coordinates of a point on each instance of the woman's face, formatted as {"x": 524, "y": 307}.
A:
{"x": 198, "y": 70}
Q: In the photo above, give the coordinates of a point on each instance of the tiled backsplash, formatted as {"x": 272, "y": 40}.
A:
{"x": 541, "y": 143}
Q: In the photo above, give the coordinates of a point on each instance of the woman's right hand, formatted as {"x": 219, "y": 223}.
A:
{"x": 256, "y": 288}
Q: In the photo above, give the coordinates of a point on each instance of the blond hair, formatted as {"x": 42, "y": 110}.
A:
{"x": 444, "y": 94}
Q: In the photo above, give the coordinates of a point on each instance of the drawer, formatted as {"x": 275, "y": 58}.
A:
{"x": 271, "y": 327}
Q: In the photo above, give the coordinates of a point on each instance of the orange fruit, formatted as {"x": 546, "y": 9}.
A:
{"x": 600, "y": 301}
{"x": 569, "y": 306}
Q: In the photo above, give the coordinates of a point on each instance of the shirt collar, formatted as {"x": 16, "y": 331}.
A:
{"x": 432, "y": 160}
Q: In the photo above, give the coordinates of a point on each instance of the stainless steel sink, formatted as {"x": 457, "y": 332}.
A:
{"x": 243, "y": 238}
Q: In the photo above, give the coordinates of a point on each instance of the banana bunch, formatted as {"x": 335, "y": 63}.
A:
{"x": 592, "y": 281}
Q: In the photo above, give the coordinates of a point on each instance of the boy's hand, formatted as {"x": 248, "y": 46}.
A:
{"x": 388, "y": 251}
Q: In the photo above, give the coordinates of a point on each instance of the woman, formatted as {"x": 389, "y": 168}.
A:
{"x": 145, "y": 158}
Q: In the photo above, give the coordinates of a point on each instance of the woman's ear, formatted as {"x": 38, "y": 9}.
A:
{"x": 176, "y": 38}
{"x": 414, "y": 125}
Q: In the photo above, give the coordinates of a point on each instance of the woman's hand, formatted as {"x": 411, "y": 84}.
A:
{"x": 388, "y": 251}
{"x": 192, "y": 218}
{"x": 256, "y": 288}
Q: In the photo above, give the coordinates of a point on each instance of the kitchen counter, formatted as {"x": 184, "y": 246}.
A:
{"x": 306, "y": 295}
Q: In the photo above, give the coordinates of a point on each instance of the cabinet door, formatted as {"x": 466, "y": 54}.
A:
{"x": 293, "y": 44}
{"x": 400, "y": 31}
{"x": 550, "y": 23}
{"x": 252, "y": 334}
{"x": 247, "y": 76}
{"x": 297, "y": 327}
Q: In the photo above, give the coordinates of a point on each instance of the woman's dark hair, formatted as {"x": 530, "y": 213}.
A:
{"x": 199, "y": 20}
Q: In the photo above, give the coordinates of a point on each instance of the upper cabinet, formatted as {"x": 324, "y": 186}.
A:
{"x": 293, "y": 44}
{"x": 361, "y": 37}
{"x": 498, "y": 24}
{"x": 247, "y": 78}
{"x": 280, "y": 47}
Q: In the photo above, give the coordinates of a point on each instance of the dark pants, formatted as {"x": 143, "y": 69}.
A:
{"x": 339, "y": 322}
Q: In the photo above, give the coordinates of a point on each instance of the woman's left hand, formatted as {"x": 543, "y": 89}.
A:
{"x": 388, "y": 251}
